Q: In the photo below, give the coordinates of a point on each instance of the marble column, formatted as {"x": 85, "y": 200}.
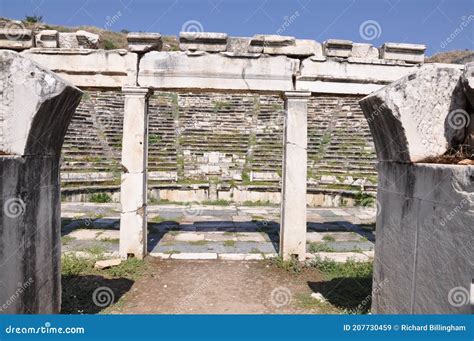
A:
{"x": 133, "y": 190}
{"x": 293, "y": 203}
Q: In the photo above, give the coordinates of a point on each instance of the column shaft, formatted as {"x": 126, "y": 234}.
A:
{"x": 293, "y": 201}
{"x": 133, "y": 189}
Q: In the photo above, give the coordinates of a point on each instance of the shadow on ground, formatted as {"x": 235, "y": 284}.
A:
{"x": 353, "y": 295}
{"x": 78, "y": 293}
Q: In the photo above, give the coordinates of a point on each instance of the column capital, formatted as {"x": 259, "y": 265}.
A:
{"x": 140, "y": 91}
{"x": 296, "y": 94}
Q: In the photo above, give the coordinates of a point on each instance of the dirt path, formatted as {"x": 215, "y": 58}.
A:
{"x": 219, "y": 287}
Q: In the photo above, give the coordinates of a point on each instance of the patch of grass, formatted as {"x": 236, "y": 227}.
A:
{"x": 33, "y": 19}
{"x": 255, "y": 250}
{"x": 110, "y": 44}
{"x": 319, "y": 247}
{"x": 328, "y": 238}
{"x": 258, "y": 203}
{"x": 71, "y": 265}
{"x": 158, "y": 219}
{"x": 229, "y": 243}
{"x": 111, "y": 240}
{"x": 199, "y": 242}
{"x": 172, "y": 252}
{"x": 100, "y": 198}
{"x": 364, "y": 199}
{"x": 348, "y": 285}
{"x": 305, "y": 301}
{"x": 227, "y": 233}
{"x": 220, "y": 202}
{"x": 292, "y": 265}
{"x": 95, "y": 250}
{"x": 154, "y": 139}
{"x": 67, "y": 239}
{"x": 131, "y": 268}
{"x": 351, "y": 268}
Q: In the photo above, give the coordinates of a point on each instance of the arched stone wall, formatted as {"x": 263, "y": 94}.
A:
{"x": 36, "y": 107}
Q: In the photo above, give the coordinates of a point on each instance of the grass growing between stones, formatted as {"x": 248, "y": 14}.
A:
{"x": 348, "y": 286}
{"x": 229, "y": 243}
{"x": 314, "y": 247}
{"x": 80, "y": 280}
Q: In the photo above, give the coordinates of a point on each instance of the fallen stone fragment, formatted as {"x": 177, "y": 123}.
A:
{"x": 319, "y": 297}
{"x": 412, "y": 120}
{"x": 466, "y": 162}
{"x": 87, "y": 40}
{"x": 108, "y": 263}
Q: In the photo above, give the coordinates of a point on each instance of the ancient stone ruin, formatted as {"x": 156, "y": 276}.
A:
{"x": 424, "y": 253}
{"x": 268, "y": 118}
{"x": 36, "y": 108}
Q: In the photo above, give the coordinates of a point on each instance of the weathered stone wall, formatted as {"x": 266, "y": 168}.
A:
{"x": 36, "y": 107}
{"x": 423, "y": 253}
{"x": 222, "y": 139}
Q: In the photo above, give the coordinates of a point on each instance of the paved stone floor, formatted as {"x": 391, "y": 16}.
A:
{"x": 219, "y": 232}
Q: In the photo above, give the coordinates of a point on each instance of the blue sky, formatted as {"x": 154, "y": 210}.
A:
{"x": 430, "y": 22}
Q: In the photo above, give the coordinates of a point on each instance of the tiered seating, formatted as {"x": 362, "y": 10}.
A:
{"x": 197, "y": 137}
{"x": 340, "y": 148}
{"x": 214, "y": 123}
{"x": 267, "y": 153}
{"x": 162, "y": 154}
{"x": 93, "y": 141}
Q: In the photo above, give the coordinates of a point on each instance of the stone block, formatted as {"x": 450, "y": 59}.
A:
{"x": 68, "y": 40}
{"x": 366, "y": 51}
{"x": 78, "y": 40}
{"x": 35, "y": 110}
{"x": 338, "y": 48}
{"x": 423, "y": 253}
{"x": 274, "y": 40}
{"x": 47, "y": 39}
{"x": 411, "y": 119}
{"x": 240, "y": 46}
{"x": 87, "y": 40}
{"x": 16, "y": 38}
{"x": 203, "y": 41}
{"x": 107, "y": 263}
{"x": 216, "y": 71}
{"x": 144, "y": 42}
{"x": 89, "y": 68}
{"x": 410, "y": 53}
{"x": 301, "y": 48}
